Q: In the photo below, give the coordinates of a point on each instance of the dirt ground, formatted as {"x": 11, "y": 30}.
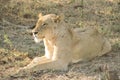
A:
{"x": 17, "y": 47}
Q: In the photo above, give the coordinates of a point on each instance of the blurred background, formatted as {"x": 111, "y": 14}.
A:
{"x": 17, "y": 47}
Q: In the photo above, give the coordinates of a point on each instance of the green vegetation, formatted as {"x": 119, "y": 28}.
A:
{"x": 7, "y": 40}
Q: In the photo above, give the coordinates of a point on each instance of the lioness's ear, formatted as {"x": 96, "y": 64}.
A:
{"x": 40, "y": 15}
{"x": 59, "y": 18}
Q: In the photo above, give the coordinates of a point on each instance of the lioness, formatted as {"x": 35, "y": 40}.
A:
{"x": 64, "y": 45}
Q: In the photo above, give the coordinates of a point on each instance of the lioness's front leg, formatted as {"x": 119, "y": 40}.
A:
{"x": 45, "y": 64}
{"x": 58, "y": 62}
{"x": 35, "y": 61}
{"x": 51, "y": 64}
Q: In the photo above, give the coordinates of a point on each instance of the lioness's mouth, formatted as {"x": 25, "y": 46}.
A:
{"x": 35, "y": 38}
{"x": 34, "y": 35}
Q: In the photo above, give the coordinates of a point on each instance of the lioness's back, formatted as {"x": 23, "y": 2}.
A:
{"x": 88, "y": 44}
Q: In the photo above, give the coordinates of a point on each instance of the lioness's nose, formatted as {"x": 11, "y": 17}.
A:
{"x": 35, "y": 32}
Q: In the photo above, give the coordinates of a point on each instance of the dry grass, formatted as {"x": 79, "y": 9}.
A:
{"x": 17, "y": 47}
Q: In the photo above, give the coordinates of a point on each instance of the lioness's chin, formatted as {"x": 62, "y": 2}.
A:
{"x": 37, "y": 40}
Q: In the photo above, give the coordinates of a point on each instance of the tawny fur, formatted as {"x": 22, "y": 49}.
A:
{"x": 64, "y": 45}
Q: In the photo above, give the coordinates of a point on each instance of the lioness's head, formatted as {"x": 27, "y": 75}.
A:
{"x": 44, "y": 25}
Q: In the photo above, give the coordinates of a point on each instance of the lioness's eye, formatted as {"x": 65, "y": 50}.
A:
{"x": 44, "y": 24}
